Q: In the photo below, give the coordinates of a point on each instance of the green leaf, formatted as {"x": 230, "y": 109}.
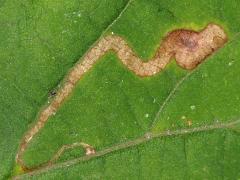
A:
{"x": 177, "y": 124}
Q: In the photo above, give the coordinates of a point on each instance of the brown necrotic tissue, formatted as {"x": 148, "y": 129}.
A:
{"x": 189, "y": 48}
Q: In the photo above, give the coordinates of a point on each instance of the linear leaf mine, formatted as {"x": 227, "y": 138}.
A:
{"x": 189, "y": 48}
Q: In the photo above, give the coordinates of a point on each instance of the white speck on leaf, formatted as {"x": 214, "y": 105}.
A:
{"x": 146, "y": 115}
{"x": 193, "y": 107}
{"x": 148, "y": 135}
{"x": 230, "y": 63}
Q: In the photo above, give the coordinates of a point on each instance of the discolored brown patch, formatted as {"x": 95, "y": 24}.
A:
{"x": 188, "y": 40}
{"x": 189, "y": 48}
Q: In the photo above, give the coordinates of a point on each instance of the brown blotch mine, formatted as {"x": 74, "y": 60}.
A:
{"x": 189, "y": 48}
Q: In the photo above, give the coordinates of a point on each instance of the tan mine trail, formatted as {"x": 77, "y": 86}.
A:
{"x": 188, "y": 47}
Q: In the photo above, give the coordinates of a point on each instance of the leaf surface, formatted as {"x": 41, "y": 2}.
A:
{"x": 187, "y": 121}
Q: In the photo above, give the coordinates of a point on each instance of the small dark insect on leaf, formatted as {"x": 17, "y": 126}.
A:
{"x": 52, "y": 93}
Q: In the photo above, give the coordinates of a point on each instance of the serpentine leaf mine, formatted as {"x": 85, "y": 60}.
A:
{"x": 189, "y": 48}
